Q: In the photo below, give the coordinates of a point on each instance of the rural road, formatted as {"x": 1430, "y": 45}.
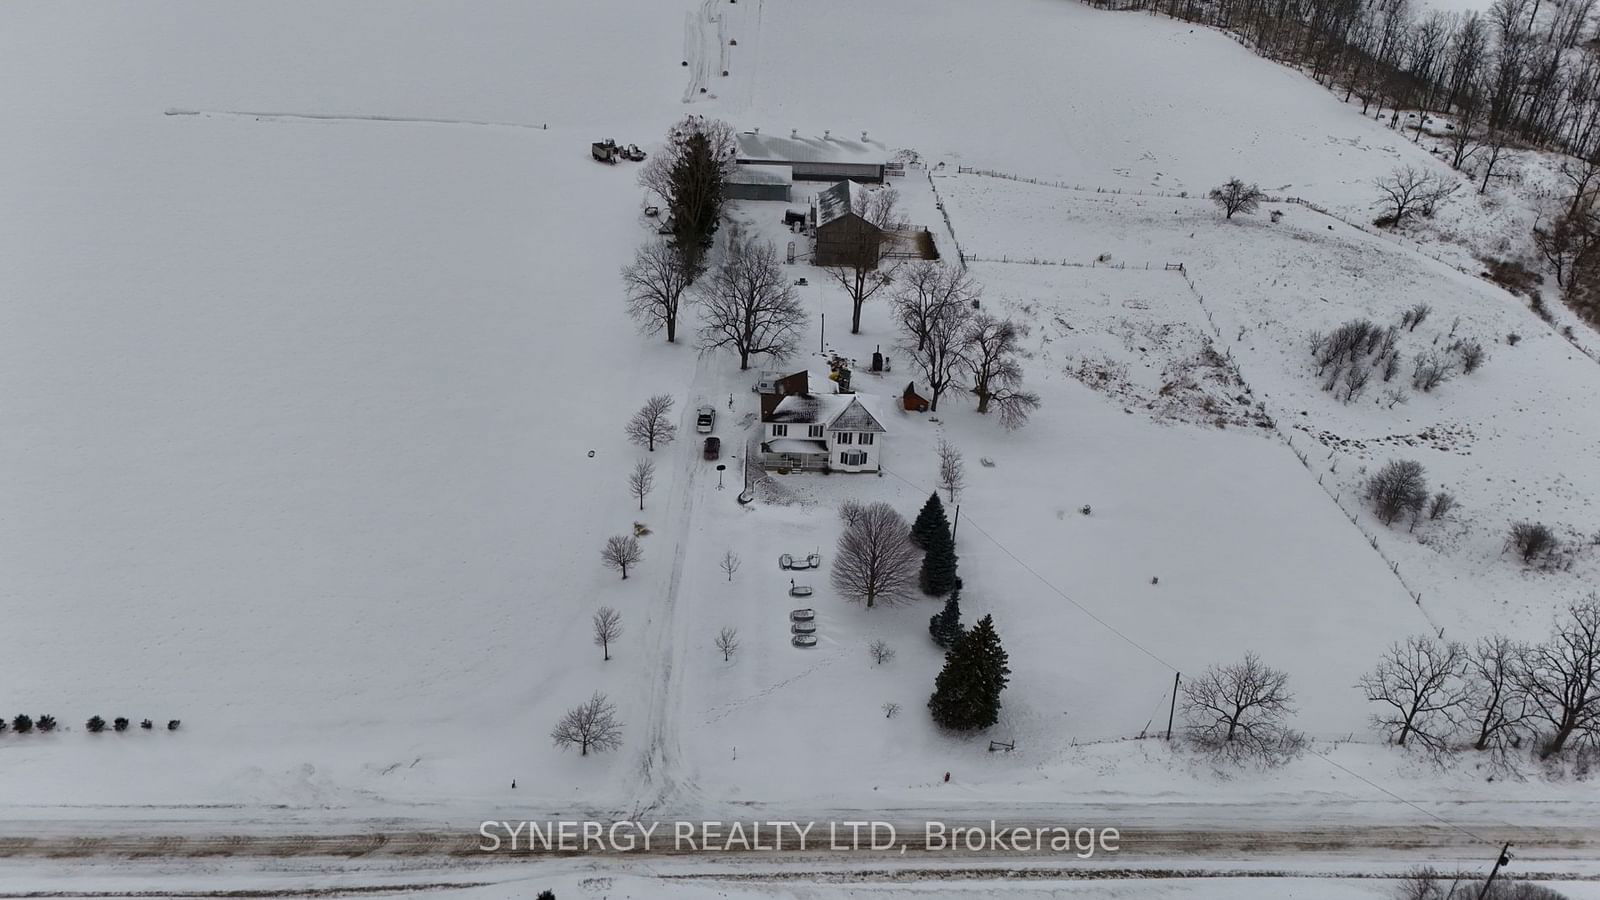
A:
{"x": 127, "y": 840}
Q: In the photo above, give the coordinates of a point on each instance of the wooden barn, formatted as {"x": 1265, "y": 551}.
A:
{"x": 843, "y": 237}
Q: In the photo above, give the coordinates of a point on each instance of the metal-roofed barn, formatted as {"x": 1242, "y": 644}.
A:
{"x": 759, "y": 183}
{"x": 815, "y": 159}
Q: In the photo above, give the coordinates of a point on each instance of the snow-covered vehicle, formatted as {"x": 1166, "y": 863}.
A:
{"x": 705, "y": 419}
{"x": 604, "y": 151}
{"x": 790, "y": 561}
{"x": 799, "y": 590}
{"x": 802, "y": 615}
{"x": 803, "y": 628}
{"x": 804, "y": 640}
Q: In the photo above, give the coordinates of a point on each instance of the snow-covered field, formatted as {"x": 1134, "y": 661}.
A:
{"x": 1505, "y": 439}
{"x": 311, "y": 323}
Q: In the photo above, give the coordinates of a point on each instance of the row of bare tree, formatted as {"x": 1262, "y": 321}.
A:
{"x": 952, "y": 342}
{"x": 1494, "y": 695}
{"x": 1497, "y": 693}
{"x": 747, "y": 304}
{"x": 1510, "y": 73}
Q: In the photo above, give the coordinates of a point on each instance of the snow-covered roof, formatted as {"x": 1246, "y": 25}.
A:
{"x": 844, "y": 197}
{"x": 797, "y": 446}
{"x": 855, "y": 417}
{"x": 761, "y": 175}
{"x": 771, "y": 148}
{"x": 840, "y": 412}
{"x": 802, "y": 409}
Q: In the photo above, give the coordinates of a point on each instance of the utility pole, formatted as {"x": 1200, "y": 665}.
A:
{"x": 957, "y": 523}
{"x": 822, "y": 335}
{"x": 1505, "y": 857}
{"x": 1173, "y": 709}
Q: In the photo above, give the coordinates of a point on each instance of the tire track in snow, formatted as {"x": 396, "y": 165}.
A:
{"x": 333, "y": 117}
{"x": 700, "y": 27}
{"x": 724, "y": 710}
{"x": 658, "y": 771}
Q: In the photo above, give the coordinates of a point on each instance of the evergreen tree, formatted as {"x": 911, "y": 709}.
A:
{"x": 945, "y": 626}
{"x": 938, "y": 575}
{"x": 930, "y": 520}
{"x": 966, "y": 695}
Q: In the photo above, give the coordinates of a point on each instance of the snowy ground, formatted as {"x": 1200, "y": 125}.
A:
{"x": 302, "y": 386}
{"x": 1503, "y": 439}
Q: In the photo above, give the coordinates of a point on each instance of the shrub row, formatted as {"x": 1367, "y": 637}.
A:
{"x": 26, "y": 724}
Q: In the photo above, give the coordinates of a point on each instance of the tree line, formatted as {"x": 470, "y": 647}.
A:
{"x": 1519, "y": 74}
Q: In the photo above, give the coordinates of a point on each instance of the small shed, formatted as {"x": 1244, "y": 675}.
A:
{"x": 760, "y": 183}
{"x": 911, "y": 401}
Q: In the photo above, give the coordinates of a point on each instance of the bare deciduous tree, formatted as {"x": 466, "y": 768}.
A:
{"x": 922, "y": 293}
{"x": 642, "y": 479}
{"x": 730, "y": 564}
{"x": 939, "y": 350}
{"x": 1414, "y": 316}
{"x": 861, "y": 272}
{"x": 650, "y": 425}
{"x": 1561, "y": 679}
{"x": 621, "y": 552}
{"x": 876, "y": 559}
{"x": 1431, "y": 370}
{"x": 1441, "y": 504}
{"x": 850, "y": 511}
{"x": 727, "y": 642}
{"x": 591, "y": 726}
{"x": 1419, "y": 680}
{"x": 1399, "y": 488}
{"x": 748, "y": 305}
{"x": 656, "y": 282}
{"x": 1240, "y": 710}
{"x": 1409, "y": 191}
{"x": 1495, "y": 705}
{"x": 889, "y": 709}
{"x": 1237, "y": 197}
{"x": 993, "y": 349}
{"x": 1532, "y": 540}
{"x": 881, "y": 651}
{"x": 607, "y": 628}
{"x": 952, "y": 471}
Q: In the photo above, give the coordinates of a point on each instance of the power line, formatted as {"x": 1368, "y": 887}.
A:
{"x": 1380, "y": 788}
{"x": 1057, "y": 591}
{"x": 1146, "y": 651}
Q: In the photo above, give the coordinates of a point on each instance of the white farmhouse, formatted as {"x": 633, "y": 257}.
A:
{"x": 814, "y": 432}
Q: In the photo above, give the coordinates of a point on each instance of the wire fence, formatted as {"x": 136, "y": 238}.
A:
{"x": 1334, "y": 492}
{"x": 1367, "y": 228}
{"x": 1070, "y": 263}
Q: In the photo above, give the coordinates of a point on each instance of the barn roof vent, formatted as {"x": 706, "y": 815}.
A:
{"x": 863, "y": 137}
{"x": 827, "y": 134}
{"x": 794, "y": 133}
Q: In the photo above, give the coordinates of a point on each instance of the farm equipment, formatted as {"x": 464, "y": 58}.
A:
{"x": 632, "y": 153}
{"x": 605, "y": 151}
